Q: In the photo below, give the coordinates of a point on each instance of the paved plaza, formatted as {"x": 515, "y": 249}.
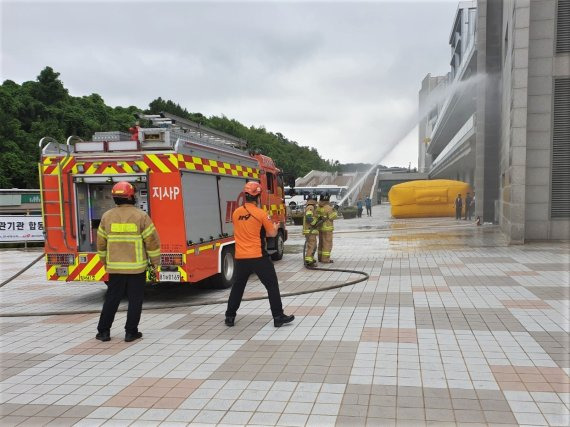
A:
{"x": 452, "y": 327}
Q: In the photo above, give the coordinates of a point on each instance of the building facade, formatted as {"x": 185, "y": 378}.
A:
{"x": 510, "y": 136}
{"x": 430, "y": 86}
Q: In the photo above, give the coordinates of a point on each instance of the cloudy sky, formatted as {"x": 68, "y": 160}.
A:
{"x": 339, "y": 76}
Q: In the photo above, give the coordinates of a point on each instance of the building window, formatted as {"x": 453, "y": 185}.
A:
{"x": 560, "y": 189}
{"x": 563, "y": 27}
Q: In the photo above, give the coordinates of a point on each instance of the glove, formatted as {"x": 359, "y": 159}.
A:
{"x": 152, "y": 272}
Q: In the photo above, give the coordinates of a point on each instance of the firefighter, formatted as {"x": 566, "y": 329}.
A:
{"x": 126, "y": 239}
{"x": 251, "y": 225}
{"x": 310, "y": 229}
{"x": 327, "y": 214}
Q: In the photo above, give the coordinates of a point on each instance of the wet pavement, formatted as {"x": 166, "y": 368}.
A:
{"x": 452, "y": 327}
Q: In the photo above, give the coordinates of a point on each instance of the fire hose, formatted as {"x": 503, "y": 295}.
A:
{"x": 364, "y": 276}
{"x": 23, "y": 270}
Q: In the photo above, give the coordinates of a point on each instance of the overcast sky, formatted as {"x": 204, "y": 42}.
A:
{"x": 342, "y": 77}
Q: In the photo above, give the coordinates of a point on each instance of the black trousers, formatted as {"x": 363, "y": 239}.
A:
{"x": 118, "y": 285}
{"x": 369, "y": 210}
{"x": 458, "y": 213}
{"x": 265, "y": 270}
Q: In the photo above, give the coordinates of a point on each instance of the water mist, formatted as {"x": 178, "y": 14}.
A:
{"x": 435, "y": 98}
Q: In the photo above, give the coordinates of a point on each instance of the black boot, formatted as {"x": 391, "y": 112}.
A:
{"x": 103, "y": 336}
{"x": 281, "y": 320}
{"x": 131, "y": 337}
{"x": 230, "y": 320}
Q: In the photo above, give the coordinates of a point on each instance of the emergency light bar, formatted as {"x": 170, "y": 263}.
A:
{"x": 123, "y": 146}
{"x": 104, "y": 146}
{"x": 102, "y": 179}
{"x": 83, "y": 147}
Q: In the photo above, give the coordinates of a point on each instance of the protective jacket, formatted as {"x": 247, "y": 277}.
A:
{"x": 251, "y": 225}
{"x": 126, "y": 239}
{"x": 326, "y": 211}
{"x": 310, "y": 218}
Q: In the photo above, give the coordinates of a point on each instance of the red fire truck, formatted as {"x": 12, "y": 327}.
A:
{"x": 188, "y": 178}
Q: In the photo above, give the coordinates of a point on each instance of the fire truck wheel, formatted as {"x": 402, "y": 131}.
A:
{"x": 280, "y": 243}
{"x": 227, "y": 277}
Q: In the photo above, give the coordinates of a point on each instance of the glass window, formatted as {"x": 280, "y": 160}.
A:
{"x": 270, "y": 184}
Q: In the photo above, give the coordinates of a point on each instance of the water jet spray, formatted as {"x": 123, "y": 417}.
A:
{"x": 443, "y": 95}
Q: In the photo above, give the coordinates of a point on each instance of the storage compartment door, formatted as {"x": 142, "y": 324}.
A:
{"x": 201, "y": 207}
{"x": 230, "y": 190}
{"x": 83, "y": 219}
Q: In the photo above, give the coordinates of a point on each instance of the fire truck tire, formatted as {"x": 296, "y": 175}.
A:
{"x": 280, "y": 244}
{"x": 227, "y": 277}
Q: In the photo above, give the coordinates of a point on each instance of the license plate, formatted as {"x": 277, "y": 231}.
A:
{"x": 170, "y": 276}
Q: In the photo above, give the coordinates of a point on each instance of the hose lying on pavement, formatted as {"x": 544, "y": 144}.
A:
{"x": 364, "y": 277}
{"x": 27, "y": 267}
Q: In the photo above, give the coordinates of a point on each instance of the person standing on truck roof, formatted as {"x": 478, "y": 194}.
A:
{"x": 251, "y": 225}
{"x": 310, "y": 229}
{"x": 326, "y": 227}
{"x": 126, "y": 239}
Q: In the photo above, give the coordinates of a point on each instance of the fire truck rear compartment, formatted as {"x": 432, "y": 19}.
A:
{"x": 92, "y": 200}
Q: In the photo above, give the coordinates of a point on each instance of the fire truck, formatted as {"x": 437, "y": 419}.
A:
{"x": 188, "y": 178}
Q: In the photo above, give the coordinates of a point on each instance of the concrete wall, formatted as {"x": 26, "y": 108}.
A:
{"x": 539, "y": 129}
{"x": 512, "y": 150}
{"x": 487, "y": 128}
{"x": 543, "y": 65}
{"x": 529, "y": 67}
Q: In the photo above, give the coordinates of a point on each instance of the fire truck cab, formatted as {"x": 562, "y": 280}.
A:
{"x": 188, "y": 178}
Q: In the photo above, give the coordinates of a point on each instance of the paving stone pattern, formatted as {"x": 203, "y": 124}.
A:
{"x": 453, "y": 327}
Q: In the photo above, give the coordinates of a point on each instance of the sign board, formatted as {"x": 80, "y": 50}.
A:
{"x": 31, "y": 198}
{"x": 10, "y": 200}
{"x": 21, "y": 228}
{"x": 19, "y": 199}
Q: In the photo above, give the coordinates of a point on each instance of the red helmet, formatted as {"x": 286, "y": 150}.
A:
{"x": 252, "y": 188}
{"x": 123, "y": 190}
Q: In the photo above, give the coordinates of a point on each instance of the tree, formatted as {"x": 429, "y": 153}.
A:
{"x": 49, "y": 89}
{"x": 43, "y": 107}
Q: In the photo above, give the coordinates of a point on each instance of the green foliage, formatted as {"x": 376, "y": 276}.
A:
{"x": 44, "y": 107}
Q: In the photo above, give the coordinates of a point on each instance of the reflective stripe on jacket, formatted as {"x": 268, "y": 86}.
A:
{"x": 310, "y": 218}
{"x": 126, "y": 239}
{"x": 326, "y": 211}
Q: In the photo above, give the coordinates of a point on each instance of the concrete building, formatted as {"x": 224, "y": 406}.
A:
{"x": 430, "y": 86}
{"x": 510, "y": 136}
{"x": 447, "y": 131}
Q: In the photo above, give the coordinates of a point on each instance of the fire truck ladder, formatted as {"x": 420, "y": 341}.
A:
{"x": 196, "y": 130}
{"x": 43, "y": 177}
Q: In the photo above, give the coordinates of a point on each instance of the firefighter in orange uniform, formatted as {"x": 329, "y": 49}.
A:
{"x": 126, "y": 239}
{"x": 251, "y": 225}
{"x": 310, "y": 230}
{"x": 328, "y": 214}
